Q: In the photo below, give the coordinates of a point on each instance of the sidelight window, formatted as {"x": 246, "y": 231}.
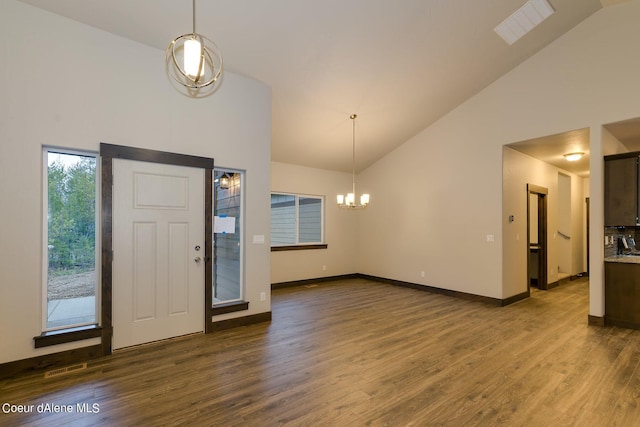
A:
{"x": 70, "y": 239}
{"x": 227, "y": 246}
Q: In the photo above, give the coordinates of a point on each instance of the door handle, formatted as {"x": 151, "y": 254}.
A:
{"x": 198, "y": 259}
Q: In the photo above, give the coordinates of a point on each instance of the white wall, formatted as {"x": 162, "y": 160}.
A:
{"x": 69, "y": 85}
{"x": 578, "y": 226}
{"x": 450, "y": 198}
{"x": 611, "y": 145}
{"x": 340, "y": 225}
{"x": 565, "y": 209}
{"x": 586, "y": 193}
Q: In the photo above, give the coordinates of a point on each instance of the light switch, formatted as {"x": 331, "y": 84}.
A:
{"x": 490, "y": 238}
{"x": 258, "y": 239}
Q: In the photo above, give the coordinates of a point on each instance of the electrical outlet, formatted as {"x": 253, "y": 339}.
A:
{"x": 422, "y": 274}
{"x": 263, "y": 296}
{"x": 324, "y": 268}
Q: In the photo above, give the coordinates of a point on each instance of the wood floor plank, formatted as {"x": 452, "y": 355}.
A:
{"x": 361, "y": 353}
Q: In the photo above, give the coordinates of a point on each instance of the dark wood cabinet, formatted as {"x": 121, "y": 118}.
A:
{"x": 621, "y": 190}
{"x": 622, "y": 294}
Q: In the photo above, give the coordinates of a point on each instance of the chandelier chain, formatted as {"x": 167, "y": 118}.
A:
{"x": 353, "y": 157}
{"x": 194, "y": 16}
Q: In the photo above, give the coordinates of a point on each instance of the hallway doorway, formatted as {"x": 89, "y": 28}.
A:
{"x": 537, "y": 236}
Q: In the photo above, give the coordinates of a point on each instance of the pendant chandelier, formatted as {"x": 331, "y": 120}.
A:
{"x": 193, "y": 60}
{"x": 349, "y": 202}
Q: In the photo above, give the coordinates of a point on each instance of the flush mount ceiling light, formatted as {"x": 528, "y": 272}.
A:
{"x": 349, "y": 201}
{"x": 193, "y": 60}
{"x": 524, "y": 20}
{"x": 572, "y": 157}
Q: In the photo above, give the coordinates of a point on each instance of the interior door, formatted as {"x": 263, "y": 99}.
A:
{"x": 158, "y": 251}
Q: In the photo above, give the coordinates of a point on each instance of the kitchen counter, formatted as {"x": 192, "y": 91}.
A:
{"x": 624, "y": 259}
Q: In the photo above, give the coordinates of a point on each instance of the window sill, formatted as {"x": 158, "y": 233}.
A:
{"x": 62, "y": 336}
{"x": 229, "y": 307}
{"x": 298, "y": 247}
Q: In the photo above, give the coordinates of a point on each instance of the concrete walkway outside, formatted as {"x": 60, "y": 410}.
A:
{"x": 71, "y": 311}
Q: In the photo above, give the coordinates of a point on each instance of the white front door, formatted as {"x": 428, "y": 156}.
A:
{"x": 158, "y": 252}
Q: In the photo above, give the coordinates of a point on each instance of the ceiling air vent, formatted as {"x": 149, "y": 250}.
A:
{"x": 524, "y": 20}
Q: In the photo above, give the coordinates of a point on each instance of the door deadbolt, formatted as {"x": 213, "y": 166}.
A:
{"x": 197, "y": 247}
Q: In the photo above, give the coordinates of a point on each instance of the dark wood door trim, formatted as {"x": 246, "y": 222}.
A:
{"x": 588, "y": 220}
{"x": 153, "y": 156}
{"x": 542, "y": 239}
{"x": 536, "y": 189}
{"x": 108, "y": 152}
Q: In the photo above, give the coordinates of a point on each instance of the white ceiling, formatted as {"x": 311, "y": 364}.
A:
{"x": 627, "y": 132}
{"x": 400, "y": 65}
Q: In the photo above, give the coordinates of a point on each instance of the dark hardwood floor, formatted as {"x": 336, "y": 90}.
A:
{"x": 359, "y": 353}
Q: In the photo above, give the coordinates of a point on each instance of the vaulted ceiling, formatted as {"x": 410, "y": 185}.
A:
{"x": 400, "y": 65}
